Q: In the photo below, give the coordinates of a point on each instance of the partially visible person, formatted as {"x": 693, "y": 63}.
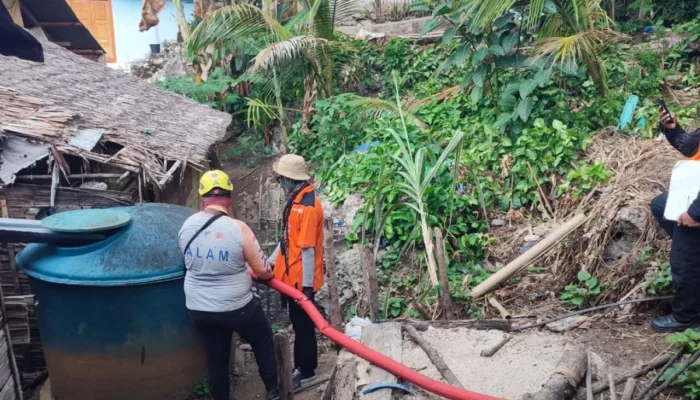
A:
{"x": 298, "y": 260}
{"x": 218, "y": 251}
{"x": 685, "y": 239}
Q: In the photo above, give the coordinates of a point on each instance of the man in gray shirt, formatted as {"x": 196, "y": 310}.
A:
{"x": 218, "y": 252}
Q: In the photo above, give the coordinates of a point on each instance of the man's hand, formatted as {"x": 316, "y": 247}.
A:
{"x": 669, "y": 121}
{"x": 309, "y": 293}
{"x": 687, "y": 221}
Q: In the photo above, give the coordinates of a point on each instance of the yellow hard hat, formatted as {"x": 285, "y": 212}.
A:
{"x": 214, "y": 179}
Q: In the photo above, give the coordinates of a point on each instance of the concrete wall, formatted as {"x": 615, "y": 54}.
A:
{"x": 133, "y": 45}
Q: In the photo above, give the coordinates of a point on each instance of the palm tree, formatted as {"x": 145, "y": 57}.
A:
{"x": 300, "y": 48}
{"x": 576, "y": 30}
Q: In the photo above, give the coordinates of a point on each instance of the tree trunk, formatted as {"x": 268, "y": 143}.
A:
{"x": 310, "y": 95}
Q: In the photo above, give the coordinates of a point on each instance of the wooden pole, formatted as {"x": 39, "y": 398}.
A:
{"x": 369, "y": 271}
{"x": 329, "y": 252}
{"x": 526, "y": 258}
{"x": 442, "y": 269}
{"x": 434, "y": 356}
{"x": 284, "y": 367}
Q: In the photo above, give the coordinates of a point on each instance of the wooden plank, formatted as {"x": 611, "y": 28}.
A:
{"x": 10, "y": 249}
{"x": 331, "y": 272}
{"x": 344, "y": 382}
{"x": 386, "y": 339}
{"x": 284, "y": 367}
{"x": 10, "y": 351}
{"x": 369, "y": 272}
{"x": 442, "y": 269}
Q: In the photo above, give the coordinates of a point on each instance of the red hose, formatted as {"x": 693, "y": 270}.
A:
{"x": 378, "y": 359}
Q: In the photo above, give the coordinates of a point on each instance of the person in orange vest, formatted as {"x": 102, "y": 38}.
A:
{"x": 685, "y": 239}
{"x": 298, "y": 259}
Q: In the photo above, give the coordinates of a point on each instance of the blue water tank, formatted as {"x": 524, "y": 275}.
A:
{"x": 112, "y": 314}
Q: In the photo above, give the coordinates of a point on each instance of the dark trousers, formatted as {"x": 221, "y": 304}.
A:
{"x": 217, "y": 329}
{"x": 685, "y": 263}
{"x": 305, "y": 347}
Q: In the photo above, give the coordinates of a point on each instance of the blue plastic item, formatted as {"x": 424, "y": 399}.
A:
{"x": 112, "y": 315}
{"x": 87, "y": 220}
{"x": 144, "y": 251}
{"x": 627, "y": 113}
{"x": 387, "y": 385}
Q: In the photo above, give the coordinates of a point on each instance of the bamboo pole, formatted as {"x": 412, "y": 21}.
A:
{"x": 524, "y": 259}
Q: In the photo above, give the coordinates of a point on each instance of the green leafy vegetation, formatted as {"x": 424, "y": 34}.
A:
{"x": 202, "y": 388}
{"x": 581, "y": 293}
{"x": 495, "y": 117}
{"x": 689, "y": 380}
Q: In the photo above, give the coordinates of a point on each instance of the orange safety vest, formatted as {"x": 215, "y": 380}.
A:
{"x": 305, "y": 230}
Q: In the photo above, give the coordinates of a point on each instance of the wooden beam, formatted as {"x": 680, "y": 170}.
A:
{"x": 70, "y": 176}
{"x": 59, "y": 24}
{"x": 169, "y": 174}
{"x": 369, "y": 270}
{"x": 11, "y": 252}
{"x": 284, "y": 367}
{"x": 386, "y": 339}
{"x": 329, "y": 252}
{"x": 10, "y": 351}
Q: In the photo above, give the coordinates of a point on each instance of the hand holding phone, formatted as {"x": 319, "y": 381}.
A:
{"x": 668, "y": 119}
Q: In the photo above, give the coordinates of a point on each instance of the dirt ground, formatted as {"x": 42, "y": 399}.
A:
{"x": 247, "y": 385}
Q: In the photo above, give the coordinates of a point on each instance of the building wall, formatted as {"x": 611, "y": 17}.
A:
{"x": 133, "y": 45}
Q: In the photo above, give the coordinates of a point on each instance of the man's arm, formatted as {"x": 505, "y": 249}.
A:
{"x": 687, "y": 143}
{"x": 253, "y": 255}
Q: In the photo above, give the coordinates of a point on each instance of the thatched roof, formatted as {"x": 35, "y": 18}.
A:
{"x": 68, "y": 94}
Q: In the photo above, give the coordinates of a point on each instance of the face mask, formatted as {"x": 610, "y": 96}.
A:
{"x": 287, "y": 184}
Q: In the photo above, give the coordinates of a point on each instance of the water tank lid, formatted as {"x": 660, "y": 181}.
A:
{"x": 146, "y": 250}
{"x": 77, "y": 221}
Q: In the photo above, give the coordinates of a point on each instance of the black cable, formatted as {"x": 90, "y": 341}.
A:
{"x": 591, "y": 309}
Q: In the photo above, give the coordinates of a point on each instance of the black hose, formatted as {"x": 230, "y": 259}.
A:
{"x": 591, "y": 309}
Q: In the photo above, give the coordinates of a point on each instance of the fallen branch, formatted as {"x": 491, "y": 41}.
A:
{"x": 673, "y": 377}
{"x": 613, "y": 391}
{"x": 501, "y": 310}
{"x": 668, "y": 365}
{"x": 629, "y": 389}
{"x": 644, "y": 369}
{"x": 566, "y": 376}
{"x": 489, "y": 352}
{"x": 482, "y": 325}
{"x": 587, "y": 310}
{"x": 433, "y": 355}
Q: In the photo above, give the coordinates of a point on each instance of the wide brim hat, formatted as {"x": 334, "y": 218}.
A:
{"x": 291, "y": 166}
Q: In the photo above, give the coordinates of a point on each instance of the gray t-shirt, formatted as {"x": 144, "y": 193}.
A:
{"x": 217, "y": 278}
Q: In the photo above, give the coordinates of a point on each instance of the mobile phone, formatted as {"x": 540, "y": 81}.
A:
{"x": 662, "y": 103}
